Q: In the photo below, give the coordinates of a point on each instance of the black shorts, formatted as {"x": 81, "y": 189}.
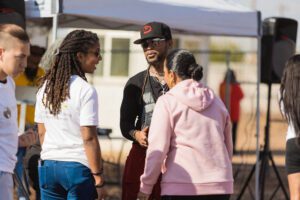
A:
{"x": 292, "y": 156}
{"x": 199, "y": 197}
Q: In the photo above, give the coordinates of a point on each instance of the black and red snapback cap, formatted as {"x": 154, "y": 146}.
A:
{"x": 154, "y": 30}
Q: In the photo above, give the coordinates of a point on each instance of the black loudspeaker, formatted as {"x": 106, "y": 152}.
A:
{"x": 12, "y": 12}
{"x": 278, "y": 43}
{"x": 17, "y": 5}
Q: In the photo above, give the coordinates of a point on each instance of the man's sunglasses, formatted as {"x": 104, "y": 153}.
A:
{"x": 155, "y": 42}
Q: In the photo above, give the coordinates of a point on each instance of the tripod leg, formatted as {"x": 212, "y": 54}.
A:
{"x": 263, "y": 169}
{"x": 278, "y": 177}
{"x": 251, "y": 192}
{"x": 246, "y": 183}
{"x": 273, "y": 195}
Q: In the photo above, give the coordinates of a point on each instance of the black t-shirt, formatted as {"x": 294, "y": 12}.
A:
{"x": 138, "y": 103}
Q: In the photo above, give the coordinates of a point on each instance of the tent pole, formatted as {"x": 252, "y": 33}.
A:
{"x": 227, "y": 85}
{"x": 54, "y": 27}
{"x": 257, "y": 167}
{"x": 58, "y": 5}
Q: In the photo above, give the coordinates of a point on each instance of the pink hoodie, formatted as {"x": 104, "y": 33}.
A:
{"x": 190, "y": 138}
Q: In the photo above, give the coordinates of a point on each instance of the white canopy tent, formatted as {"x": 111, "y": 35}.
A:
{"x": 206, "y": 17}
{"x": 213, "y": 17}
{"x": 199, "y": 17}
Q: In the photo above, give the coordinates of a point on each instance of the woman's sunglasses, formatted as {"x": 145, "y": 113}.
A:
{"x": 96, "y": 53}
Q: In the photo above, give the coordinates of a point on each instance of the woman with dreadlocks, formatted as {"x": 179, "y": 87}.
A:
{"x": 289, "y": 102}
{"x": 67, "y": 117}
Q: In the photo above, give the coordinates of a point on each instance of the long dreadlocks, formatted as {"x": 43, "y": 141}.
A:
{"x": 66, "y": 64}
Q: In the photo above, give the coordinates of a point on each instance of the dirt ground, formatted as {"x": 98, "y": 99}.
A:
{"x": 243, "y": 161}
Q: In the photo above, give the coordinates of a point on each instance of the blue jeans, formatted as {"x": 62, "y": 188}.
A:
{"x": 66, "y": 180}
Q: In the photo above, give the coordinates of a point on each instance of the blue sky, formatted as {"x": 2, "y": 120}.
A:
{"x": 276, "y": 8}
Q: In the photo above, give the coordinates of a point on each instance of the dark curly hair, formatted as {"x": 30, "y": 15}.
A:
{"x": 66, "y": 64}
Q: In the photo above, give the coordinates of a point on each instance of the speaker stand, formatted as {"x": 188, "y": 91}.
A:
{"x": 265, "y": 156}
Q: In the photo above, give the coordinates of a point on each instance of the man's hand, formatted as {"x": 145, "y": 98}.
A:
{"x": 99, "y": 180}
{"x": 142, "y": 196}
{"x": 141, "y": 137}
{"x": 27, "y": 139}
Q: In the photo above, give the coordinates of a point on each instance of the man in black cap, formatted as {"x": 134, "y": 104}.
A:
{"x": 139, "y": 97}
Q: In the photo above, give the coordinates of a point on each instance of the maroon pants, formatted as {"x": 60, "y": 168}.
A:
{"x": 134, "y": 168}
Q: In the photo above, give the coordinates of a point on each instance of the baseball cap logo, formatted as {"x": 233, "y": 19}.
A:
{"x": 147, "y": 29}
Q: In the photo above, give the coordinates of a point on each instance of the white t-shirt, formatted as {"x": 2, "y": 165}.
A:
{"x": 8, "y": 126}
{"x": 63, "y": 140}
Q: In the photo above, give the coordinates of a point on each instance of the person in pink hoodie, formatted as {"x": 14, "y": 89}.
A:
{"x": 189, "y": 137}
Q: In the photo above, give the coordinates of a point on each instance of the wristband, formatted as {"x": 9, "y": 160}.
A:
{"x": 98, "y": 173}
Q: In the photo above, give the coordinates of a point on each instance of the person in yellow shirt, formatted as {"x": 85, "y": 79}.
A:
{"x": 29, "y": 77}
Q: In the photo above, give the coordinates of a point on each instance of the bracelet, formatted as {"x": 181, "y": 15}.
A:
{"x": 98, "y": 173}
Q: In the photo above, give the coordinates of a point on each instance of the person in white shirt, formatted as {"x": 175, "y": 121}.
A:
{"x": 289, "y": 101}
{"x": 14, "y": 50}
{"x": 67, "y": 116}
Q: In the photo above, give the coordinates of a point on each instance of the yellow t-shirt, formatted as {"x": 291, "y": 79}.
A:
{"x": 21, "y": 80}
